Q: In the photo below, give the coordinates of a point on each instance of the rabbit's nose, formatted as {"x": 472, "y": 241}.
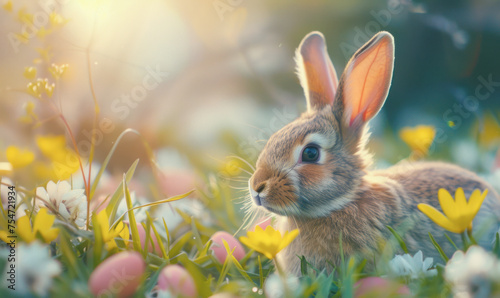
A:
{"x": 261, "y": 187}
{"x": 256, "y": 193}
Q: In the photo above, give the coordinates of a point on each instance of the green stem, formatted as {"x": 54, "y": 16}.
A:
{"x": 469, "y": 233}
{"x": 465, "y": 242}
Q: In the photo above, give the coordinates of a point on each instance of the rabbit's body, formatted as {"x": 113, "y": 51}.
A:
{"x": 314, "y": 172}
{"x": 387, "y": 198}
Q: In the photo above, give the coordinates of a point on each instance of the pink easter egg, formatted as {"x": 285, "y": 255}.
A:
{"x": 177, "y": 281}
{"x": 118, "y": 275}
{"x": 142, "y": 235}
{"x": 379, "y": 287}
{"x": 176, "y": 182}
{"x": 219, "y": 250}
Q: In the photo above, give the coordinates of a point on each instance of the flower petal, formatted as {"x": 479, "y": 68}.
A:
{"x": 460, "y": 200}
{"x": 43, "y": 220}
{"x": 288, "y": 238}
{"x": 447, "y": 203}
{"x": 24, "y": 230}
{"x": 476, "y": 200}
{"x": 440, "y": 219}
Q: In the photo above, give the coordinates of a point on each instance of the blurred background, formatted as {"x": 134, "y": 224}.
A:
{"x": 202, "y": 80}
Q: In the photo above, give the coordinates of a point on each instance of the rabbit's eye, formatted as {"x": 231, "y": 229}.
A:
{"x": 310, "y": 154}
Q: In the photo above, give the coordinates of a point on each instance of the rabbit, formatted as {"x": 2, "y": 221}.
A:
{"x": 314, "y": 174}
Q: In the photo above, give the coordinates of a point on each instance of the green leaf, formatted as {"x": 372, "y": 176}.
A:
{"x": 303, "y": 266}
{"x": 324, "y": 285}
{"x": 451, "y": 241}
{"x": 261, "y": 274}
{"x": 115, "y": 199}
{"x": 496, "y": 247}
{"x": 158, "y": 238}
{"x": 98, "y": 241}
{"x": 438, "y": 248}
{"x": 399, "y": 239}
{"x": 74, "y": 265}
{"x": 202, "y": 283}
{"x": 175, "y": 198}
{"x": 229, "y": 254}
{"x": 106, "y": 162}
{"x": 136, "y": 240}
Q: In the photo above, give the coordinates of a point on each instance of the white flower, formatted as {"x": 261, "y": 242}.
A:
{"x": 60, "y": 198}
{"x": 472, "y": 271}
{"x": 411, "y": 267}
{"x": 274, "y": 287}
{"x": 20, "y": 204}
{"x": 34, "y": 269}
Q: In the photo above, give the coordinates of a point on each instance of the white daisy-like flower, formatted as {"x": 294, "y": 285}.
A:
{"x": 20, "y": 204}
{"x": 35, "y": 269}
{"x": 473, "y": 271}
{"x": 411, "y": 267}
{"x": 71, "y": 204}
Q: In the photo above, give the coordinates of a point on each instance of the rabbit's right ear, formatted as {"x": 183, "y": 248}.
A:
{"x": 316, "y": 72}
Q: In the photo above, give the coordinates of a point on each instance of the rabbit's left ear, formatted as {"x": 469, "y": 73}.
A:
{"x": 366, "y": 80}
{"x": 316, "y": 72}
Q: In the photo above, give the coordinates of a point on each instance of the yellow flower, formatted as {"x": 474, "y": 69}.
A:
{"x": 8, "y": 6}
{"x": 36, "y": 88}
{"x": 489, "y": 131}
{"x": 57, "y": 20}
{"x": 43, "y": 171}
{"x": 108, "y": 235}
{"x": 57, "y": 70}
{"x": 42, "y": 225}
{"x": 458, "y": 213}
{"x": 269, "y": 242}
{"x": 45, "y": 55}
{"x": 29, "y": 73}
{"x": 418, "y": 138}
{"x": 19, "y": 158}
{"x": 64, "y": 160}
{"x": 30, "y": 115}
{"x": 232, "y": 168}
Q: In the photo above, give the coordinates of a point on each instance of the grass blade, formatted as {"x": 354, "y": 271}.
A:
{"x": 136, "y": 241}
{"x": 399, "y": 239}
{"x": 106, "y": 161}
{"x": 114, "y": 202}
{"x": 438, "y": 248}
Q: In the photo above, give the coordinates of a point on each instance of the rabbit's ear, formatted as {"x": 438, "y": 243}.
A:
{"x": 366, "y": 80}
{"x": 316, "y": 72}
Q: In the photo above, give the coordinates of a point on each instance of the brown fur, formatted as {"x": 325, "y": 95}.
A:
{"x": 386, "y": 197}
{"x": 338, "y": 195}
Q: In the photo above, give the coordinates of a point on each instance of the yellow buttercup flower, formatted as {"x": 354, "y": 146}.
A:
{"x": 42, "y": 225}
{"x": 8, "y": 6}
{"x": 108, "y": 235}
{"x": 418, "y": 138}
{"x": 269, "y": 242}
{"x": 19, "y": 158}
{"x": 65, "y": 161}
{"x": 458, "y": 213}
